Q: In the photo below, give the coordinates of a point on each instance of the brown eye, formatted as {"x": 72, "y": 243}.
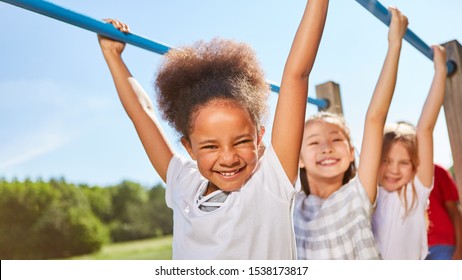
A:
{"x": 209, "y": 147}
{"x": 243, "y": 142}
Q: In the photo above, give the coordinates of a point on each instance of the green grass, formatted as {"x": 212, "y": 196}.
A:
{"x": 149, "y": 249}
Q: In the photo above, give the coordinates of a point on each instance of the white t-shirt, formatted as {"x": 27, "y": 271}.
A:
{"x": 398, "y": 236}
{"x": 254, "y": 222}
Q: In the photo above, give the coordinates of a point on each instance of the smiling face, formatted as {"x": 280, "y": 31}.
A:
{"x": 326, "y": 152}
{"x": 396, "y": 168}
{"x": 224, "y": 142}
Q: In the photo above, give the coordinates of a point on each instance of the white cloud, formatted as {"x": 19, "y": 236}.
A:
{"x": 40, "y": 116}
{"x": 21, "y": 150}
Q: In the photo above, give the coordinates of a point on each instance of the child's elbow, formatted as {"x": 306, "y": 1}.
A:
{"x": 297, "y": 72}
{"x": 424, "y": 131}
{"x": 376, "y": 117}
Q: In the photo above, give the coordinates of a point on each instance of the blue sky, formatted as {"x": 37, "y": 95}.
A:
{"x": 60, "y": 115}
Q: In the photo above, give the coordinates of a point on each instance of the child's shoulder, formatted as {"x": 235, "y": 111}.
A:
{"x": 420, "y": 187}
{"x": 353, "y": 185}
{"x": 270, "y": 174}
{"x": 181, "y": 169}
{"x": 354, "y": 191}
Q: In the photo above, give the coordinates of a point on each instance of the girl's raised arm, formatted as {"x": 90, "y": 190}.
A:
{"x": 290, "y": 111}
{"x": 429, "y": 116}
{"x": 136, "y": 103}
{"x": 376, "y": 116}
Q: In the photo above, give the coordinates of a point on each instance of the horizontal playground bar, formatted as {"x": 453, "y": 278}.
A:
{"x": 382, "y": 13}
{"x": 53, "y": 11}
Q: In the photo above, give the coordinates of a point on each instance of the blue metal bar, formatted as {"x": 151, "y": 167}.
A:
{"x": 321, "y": 103}
{"x": 53, "y": 11}
{"x": 382, "y": 13}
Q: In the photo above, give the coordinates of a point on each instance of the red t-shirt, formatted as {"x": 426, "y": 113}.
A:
{"x": 441, "y": 230}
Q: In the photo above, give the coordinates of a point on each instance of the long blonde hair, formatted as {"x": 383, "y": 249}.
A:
{"x": 404, "y": 133}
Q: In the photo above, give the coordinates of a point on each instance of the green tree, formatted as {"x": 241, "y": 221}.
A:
{"x": 160, "y": 216}
{"x": 100, "y": 200}
{"x": 46, "y": 220}
{"x": 130, "y": 219}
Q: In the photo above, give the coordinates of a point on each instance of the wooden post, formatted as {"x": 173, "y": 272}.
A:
{"x": 330, "y": 91}
{"x": 453, "y": 107}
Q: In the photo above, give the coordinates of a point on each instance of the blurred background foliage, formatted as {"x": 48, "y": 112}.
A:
{"x": 56, "y": 219}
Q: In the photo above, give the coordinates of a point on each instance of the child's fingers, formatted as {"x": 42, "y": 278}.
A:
{"x": 439, "y": 52}
{"x": 403, "y": 19}
{"x": 439, "y": 48}
{"x": 393, "y": 10}
{"x": 399, "y": 21}
{"x": 397, "y": 14}
{"x": 439, "y": 57}
{"x": 118, "y": 24}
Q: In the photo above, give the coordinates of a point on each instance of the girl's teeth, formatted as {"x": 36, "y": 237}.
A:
{"x": 228, "y": 173}
{"x": 327, "y": 161}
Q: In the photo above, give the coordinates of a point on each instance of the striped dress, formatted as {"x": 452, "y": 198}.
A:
{"x": 336, "y": 228}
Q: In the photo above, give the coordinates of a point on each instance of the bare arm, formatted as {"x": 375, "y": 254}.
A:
{"x": 378, "y": 108}
{"x": 429, "y": 116}
{"x": 137, "y": 104}
{"x": 290, "y": 111}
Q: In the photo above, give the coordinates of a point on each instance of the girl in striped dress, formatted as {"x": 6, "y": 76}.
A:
{"x": 332, "y": 216}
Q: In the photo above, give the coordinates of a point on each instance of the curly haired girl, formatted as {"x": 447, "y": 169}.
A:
{"x": 227, "y": 203}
